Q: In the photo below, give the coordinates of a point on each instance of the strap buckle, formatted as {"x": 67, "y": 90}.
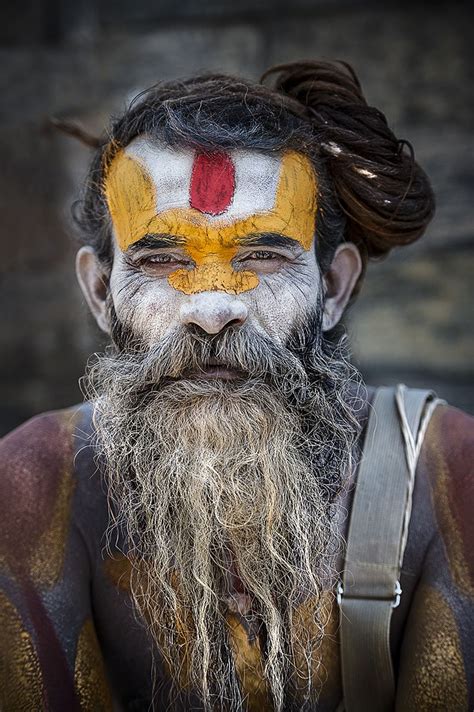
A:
{"x": 396, "y": 594}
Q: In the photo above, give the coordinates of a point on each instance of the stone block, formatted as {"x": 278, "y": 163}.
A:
{"x": 413, "y": 321}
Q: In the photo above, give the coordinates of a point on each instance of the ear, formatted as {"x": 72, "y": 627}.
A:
{"x": 339, "y": 281}
{"x": 93, "y": 280}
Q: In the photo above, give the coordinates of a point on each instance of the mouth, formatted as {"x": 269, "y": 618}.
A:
{"x": 213, "y": 369}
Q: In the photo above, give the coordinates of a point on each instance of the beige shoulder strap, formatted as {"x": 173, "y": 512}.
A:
{"x": 376, "y": 543}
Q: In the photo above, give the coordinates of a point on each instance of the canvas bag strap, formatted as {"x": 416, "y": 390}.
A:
{"x": 376, "y": 543}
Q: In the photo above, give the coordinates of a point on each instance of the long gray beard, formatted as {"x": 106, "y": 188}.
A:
{"x": 214, "y": 482}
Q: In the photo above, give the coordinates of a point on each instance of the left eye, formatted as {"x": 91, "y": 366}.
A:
{"x": 261, "y": 255}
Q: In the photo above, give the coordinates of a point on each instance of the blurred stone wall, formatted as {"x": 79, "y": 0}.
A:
{"x": 86, "y": 59}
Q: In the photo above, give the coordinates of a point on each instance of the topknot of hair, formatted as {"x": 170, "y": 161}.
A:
{"x": 384, "y": 193}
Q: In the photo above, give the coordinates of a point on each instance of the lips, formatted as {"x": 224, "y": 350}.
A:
{"x": 214, "y": 369}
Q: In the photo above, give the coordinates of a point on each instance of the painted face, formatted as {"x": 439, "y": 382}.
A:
{"x": 211, "y": 203}
{"x": 202, "y": 223}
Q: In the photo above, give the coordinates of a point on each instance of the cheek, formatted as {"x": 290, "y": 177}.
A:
{"x": 149, "y": 308}
{"x": 278, "y": 314}
{"x": 281, "y": 299}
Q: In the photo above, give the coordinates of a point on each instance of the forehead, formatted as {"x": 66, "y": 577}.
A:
{"x": 152, "y": 188}
{"x": 220, "y": 185}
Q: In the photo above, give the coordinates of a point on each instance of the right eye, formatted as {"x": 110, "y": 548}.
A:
{"x": 160, "y": 259}
{"x": 163, "y": 263}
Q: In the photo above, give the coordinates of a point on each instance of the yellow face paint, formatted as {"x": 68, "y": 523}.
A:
{"x": 146, "y": 198}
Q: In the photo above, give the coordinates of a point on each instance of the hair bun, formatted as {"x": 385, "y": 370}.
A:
{"x": 384, "y": 193}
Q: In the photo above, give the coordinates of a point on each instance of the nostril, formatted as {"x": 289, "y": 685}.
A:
{"x": 213, "y": 312}
{"x": 235, "y": 322}
{"x": 196, "y": 330}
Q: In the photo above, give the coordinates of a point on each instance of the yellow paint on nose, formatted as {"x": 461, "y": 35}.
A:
{"x": 213, "y": 275}
{"x": 211, "y": 244}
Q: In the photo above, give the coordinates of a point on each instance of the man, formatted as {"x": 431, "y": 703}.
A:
{"x": 178, "y": 541}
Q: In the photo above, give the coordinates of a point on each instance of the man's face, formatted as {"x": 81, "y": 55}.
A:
{"x": 211, "y": 239}
{"x": 228, "y": 476}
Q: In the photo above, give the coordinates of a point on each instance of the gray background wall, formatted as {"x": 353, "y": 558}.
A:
{"x": 84, "y": 60}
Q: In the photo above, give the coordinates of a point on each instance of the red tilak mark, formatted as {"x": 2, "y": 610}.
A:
{"x": 212, "y": 183}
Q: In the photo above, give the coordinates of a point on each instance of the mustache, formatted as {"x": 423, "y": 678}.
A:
{"x": 244, "y": 349}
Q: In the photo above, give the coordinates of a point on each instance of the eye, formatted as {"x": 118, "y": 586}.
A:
{"x": 163, "y": 259}
{"x": 160, "y": 259}
{"x": 160, "y": 263}
{"x": 262, "y": 255}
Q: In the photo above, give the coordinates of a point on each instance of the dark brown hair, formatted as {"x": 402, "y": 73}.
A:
{"x": 371, "y": 191}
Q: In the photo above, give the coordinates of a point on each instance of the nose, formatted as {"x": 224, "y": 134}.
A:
{"x": 213, "y": 311}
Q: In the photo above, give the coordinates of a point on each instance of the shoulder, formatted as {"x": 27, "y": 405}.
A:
{"x": 448, "y": 450}
{"x": 451, "y": 431}
{"x": 447, "y": 462}
{"x": 437, "y": 651}
{"x": 36, "y": 484}
{"x": 36, "y": 456}
{"x": 40, "y": 434}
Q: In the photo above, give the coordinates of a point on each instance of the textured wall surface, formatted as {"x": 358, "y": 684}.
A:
{"x": 84, "y": 60}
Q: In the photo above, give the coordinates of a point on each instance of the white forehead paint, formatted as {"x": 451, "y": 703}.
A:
{"x": 256, "y": 178}
{"x": 169, "y": 168}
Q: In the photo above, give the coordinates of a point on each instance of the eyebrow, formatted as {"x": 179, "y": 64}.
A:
{"x": 269, "y": 239}
{"x": 153, "y": 241}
